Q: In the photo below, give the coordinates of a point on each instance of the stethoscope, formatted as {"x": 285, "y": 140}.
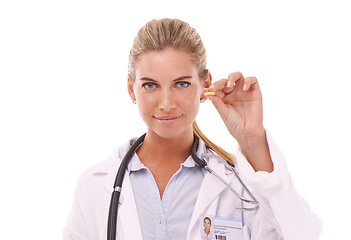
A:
{"x": 117, "y": 187}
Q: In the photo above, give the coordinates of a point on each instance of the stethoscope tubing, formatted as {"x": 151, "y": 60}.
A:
{"x": 117, "y": 187}
{"x": 230, "y": 166}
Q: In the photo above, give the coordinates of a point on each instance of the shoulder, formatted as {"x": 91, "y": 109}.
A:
{"x": 108, "y": 165}
{"x": 105, "y": 166}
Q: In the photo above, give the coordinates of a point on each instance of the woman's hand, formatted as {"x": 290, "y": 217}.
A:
{"x": 238, "y": 100}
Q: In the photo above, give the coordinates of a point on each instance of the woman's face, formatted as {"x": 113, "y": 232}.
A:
{"x": 207, "y": 224}
{"x": 168, "y": 91}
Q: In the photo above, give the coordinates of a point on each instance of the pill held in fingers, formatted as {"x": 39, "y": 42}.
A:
{"x": 209, "y": 94}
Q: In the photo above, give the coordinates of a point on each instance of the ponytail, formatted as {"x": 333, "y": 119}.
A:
{"x": 218, "y": 150}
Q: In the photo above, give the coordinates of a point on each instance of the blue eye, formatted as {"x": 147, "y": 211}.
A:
{"x": 149, "y": 85}
{"x": 183, "y": 84}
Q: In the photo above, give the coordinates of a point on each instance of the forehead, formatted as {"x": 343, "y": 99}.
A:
{"x": 171, "y": 62}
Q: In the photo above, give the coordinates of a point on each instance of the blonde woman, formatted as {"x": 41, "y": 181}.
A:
{"x": 206, "y": 233}
{"x": 165, "y": 194}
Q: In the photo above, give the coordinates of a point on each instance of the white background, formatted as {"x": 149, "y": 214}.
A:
{"x": 64, "y": 104}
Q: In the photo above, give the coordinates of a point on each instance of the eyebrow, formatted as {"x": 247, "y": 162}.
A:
{"x": 175, "y": 80}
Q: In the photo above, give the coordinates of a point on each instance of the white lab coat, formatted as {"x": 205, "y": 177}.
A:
{"x": 283, "y": 214}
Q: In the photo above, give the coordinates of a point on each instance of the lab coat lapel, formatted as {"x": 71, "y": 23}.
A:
{"x": 128, "y": 226}
{"x": 128, "y": 214}
{"x": 206, "y": 202}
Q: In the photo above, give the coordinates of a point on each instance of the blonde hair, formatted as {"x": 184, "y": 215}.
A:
{"x": 157, "y": 35}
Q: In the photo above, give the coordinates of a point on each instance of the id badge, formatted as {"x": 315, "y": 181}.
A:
{"x": 216, "y": 228}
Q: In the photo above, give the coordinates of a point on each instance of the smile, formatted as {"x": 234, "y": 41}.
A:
{"x": 167, "y": 120}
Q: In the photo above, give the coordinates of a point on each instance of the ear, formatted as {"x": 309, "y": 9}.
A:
{"x": 130, "y": 88}
{"x": 208, "y": 82}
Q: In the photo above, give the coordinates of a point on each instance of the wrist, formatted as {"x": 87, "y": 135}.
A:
{"x": 256, "y": 150}
{"x": 249, "y": 140}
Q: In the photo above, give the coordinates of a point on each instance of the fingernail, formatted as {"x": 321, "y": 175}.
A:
{"x": 245, "y": 87}
{"x": 228, "y": 84}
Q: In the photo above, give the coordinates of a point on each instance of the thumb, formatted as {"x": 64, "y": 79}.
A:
{"x": 221, "y": 107}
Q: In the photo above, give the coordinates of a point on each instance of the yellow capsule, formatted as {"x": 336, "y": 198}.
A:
{"x": 209, "y": 94}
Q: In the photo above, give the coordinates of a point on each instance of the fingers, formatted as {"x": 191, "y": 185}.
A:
{"x": 249, "y": 82}
{"x": 221, "y": 107}
{"x": 225, "y": 86}
{"x": 217, "y": 87}
{"x": 236, "y": 98}
{"x": 235, "y": 77}
{"x": 221, "y": 87}
{"x": 245, "y": 83}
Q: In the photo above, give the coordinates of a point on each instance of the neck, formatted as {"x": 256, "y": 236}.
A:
{"x": 176, "y": 149}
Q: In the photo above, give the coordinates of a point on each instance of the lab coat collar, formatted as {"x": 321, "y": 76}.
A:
{"x": 110, "y": 164}
{"x": 210, "y": 189}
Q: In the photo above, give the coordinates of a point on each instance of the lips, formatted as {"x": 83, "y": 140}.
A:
{"x": 167, "y": 120}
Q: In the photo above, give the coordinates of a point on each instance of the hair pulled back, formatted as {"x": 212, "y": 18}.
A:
{"x": 157, "y": 35}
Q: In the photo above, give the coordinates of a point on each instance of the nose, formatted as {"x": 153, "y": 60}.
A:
{"x": 167, "y": 101}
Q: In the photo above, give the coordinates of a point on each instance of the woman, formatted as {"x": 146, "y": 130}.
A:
{"x": 206, "y": 234}
{"x": 165, "y": 194}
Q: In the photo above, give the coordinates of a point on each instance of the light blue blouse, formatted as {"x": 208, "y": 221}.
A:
{"x": 169, "y": 217}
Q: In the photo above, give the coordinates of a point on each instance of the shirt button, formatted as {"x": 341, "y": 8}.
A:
{"x": 160, "y": 220}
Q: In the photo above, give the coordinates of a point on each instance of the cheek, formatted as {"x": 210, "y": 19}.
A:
{"x": 145, "y": 104}
{"x": 194, "y": 106}
{"x": 142, "y": 97}
{"x": 192, "y": 101}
